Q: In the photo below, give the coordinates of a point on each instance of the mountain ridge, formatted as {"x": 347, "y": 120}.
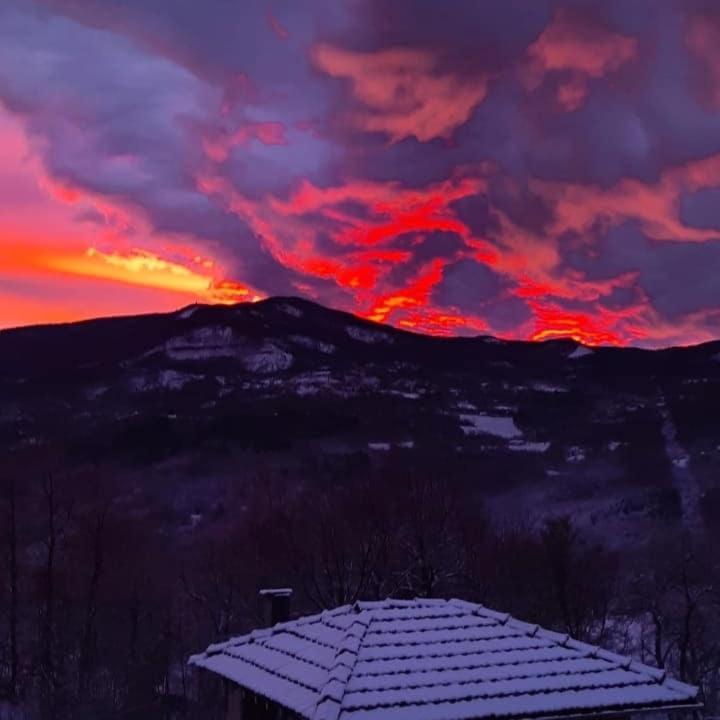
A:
{"x": 620, "y": 437}
{"x": 294, "y": 299}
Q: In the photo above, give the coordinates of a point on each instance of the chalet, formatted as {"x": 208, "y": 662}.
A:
{"x": 431, "y": 660}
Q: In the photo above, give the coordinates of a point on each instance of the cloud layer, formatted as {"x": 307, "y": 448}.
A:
{"x": 536, "y": 171}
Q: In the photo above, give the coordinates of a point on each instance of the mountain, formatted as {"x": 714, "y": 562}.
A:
{"x": 174, "y": 404}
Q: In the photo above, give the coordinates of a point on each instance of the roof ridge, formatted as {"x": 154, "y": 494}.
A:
{"x": 331, "y": 695}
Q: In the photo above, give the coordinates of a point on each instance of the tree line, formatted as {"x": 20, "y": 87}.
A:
{"x": 101, "y": 605}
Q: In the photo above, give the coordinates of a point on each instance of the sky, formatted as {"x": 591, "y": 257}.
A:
{"x": 532, "y": 170}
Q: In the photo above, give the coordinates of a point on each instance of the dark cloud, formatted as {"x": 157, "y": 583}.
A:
{"x": 469, "y": 284}
{"x": 702, "y": 209}
{"x": 679, "y": 278}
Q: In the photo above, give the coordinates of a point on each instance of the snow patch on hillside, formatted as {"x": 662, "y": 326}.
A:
{"x": 405, "y": 394}
{"x": 386, "y": 446}
{"x": 268, "y": 359}
{"x": 312, "y": 383}
{"x": 498, "y": 426}
{"x": 94, "y": 393}
{"x": 575, "y": 454}
{"x": 536, "y": 447}
{"x": 684, "y": 480}
{"x": 379, "y": 446}
{"x": 206, "y": 343}
{"x": 366, "y": 335}
{"x": 548, "y": 388}
{"x": 164, "y": 380}
{"x": 312, "y": 344}
{"x": 290, "y": 310}
{"x": 580, "y": 352}
{"x": 187, "y": 313}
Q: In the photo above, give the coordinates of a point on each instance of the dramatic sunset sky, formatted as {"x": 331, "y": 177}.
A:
{"x": 526, "y": 168}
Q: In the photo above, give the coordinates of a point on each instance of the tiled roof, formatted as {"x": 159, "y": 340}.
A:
{"x": 435, "y": 660}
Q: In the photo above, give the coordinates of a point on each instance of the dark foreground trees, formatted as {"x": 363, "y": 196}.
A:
{"x": 100, "y": 605}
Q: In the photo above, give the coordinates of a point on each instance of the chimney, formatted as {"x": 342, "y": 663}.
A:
{"x": 277, "y": 604}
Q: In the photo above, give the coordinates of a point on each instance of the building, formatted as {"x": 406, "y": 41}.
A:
{"x": 430, "y": 660}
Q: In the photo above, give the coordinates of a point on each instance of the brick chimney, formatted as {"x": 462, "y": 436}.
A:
{"x": 276, "y": 603}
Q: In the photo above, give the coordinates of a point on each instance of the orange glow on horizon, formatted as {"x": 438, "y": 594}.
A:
{"x": 555, "y": 324}
{"x": 139, "y": 267}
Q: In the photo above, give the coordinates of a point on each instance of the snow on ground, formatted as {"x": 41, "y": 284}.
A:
{"x": 311, "y": 344}
{"x": 290, "y": 310}
{"x": 464, "y": 405}
{"x": 379, "y": 446}
{"x": 536, "y": 447}
{"x": 95, "y": 392}
{"x": 187, "y": 313}
{"x": 506, "y": 408}
{"x": 366, "y": 335}
{"x": 548, "y": 388}
{"x": 684, "y": 478}
{"x": 164, "y": 380}
{"x": 575, "y": 454}
{"x": 312, "y": 383}
{"x": 614, "y": 445}
{"x": 580, "y": 352}
{"x": 404, "y": 394}
{"x": 385, "y": 446}
{"x": 268, "y": 359}
{"x": 499, "y": 426}
{"x": 173, "y": 380}
{"x": 214, "y": 341}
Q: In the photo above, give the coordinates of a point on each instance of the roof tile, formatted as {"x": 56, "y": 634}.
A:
{"x": 435, "y": 660}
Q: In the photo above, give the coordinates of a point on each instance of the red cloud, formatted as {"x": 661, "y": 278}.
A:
{"x": 368, "y": 215}
{"x": 655, "y": 206}
{"x": 378, "y": 280}
{"x": 365, "y": 215}
{"x": 403, "y": 92}
{"x": 552, "y": 322}
{"x": 414, "y": 300}
{"x": 703, "y": 38}
{"x": 583, "y": 50}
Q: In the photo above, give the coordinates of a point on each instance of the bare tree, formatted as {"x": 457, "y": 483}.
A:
{"x": 9, "y": 495}
{"x": 581, "y": 578}
{"x": 56, "y": 521}
{"x": 95, "y": 534}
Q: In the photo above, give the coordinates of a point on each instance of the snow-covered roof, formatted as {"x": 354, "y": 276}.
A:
{"x": 435, "y": 660}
